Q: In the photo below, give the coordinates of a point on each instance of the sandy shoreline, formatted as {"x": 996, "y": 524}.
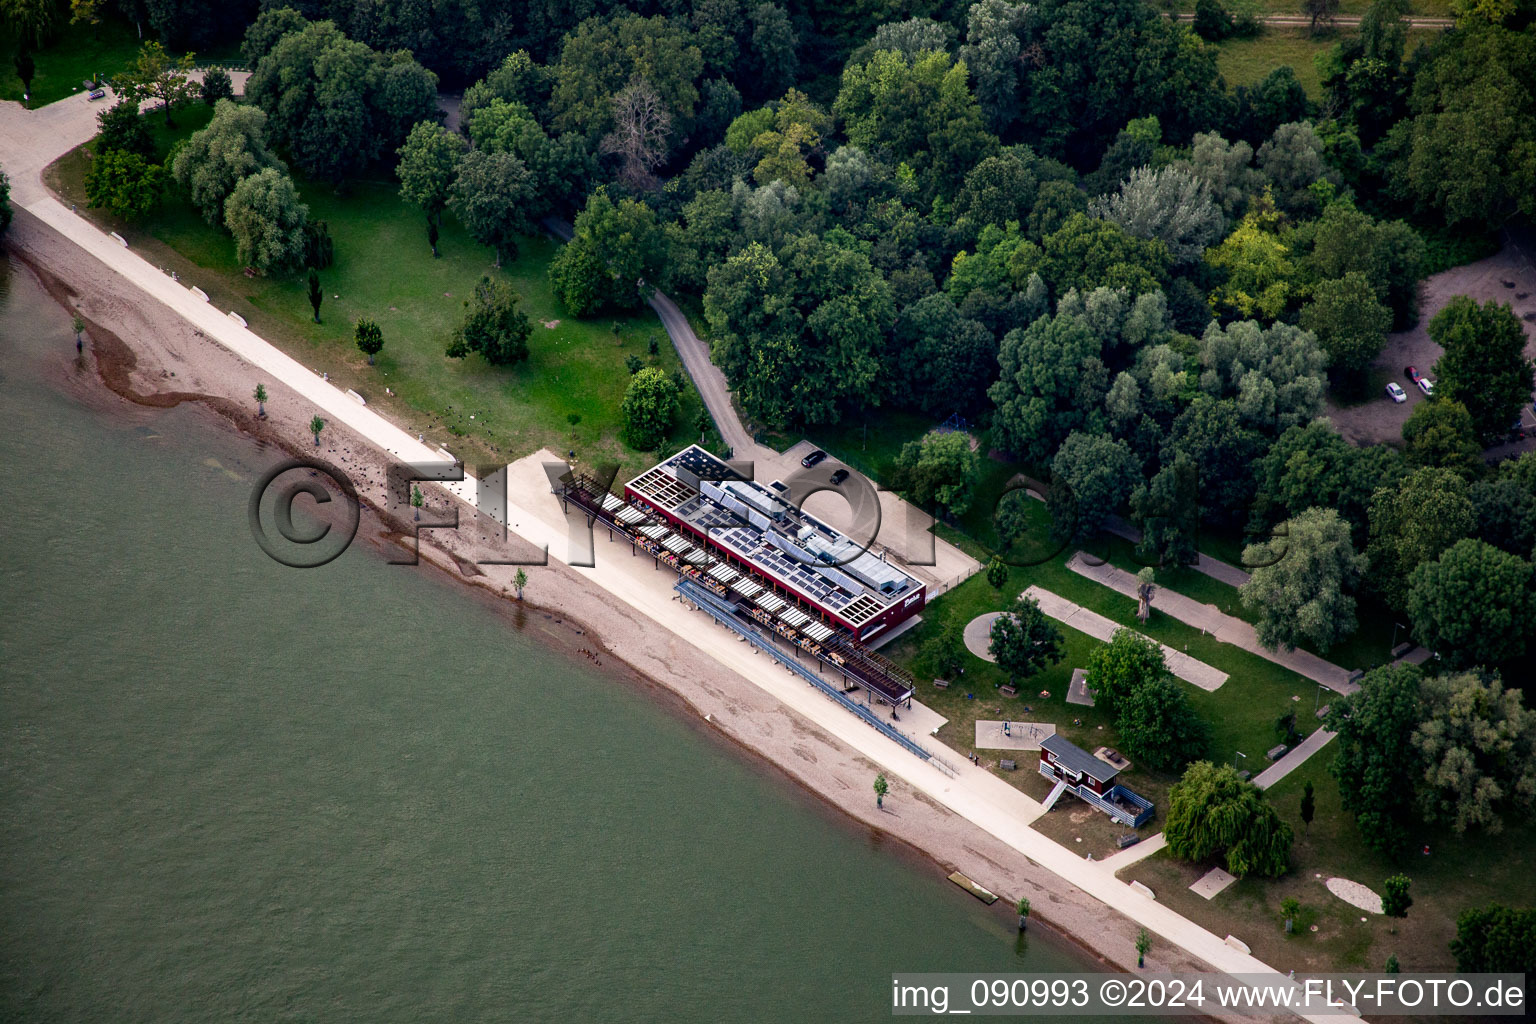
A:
{"x": 147, "y": 355}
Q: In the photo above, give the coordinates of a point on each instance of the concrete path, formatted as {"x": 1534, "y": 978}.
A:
{"x": 694, "y": 352}
{"x": 1210, "y": 619}
{"x": 1215, "y": 568}
{"x": 980, "y": 797}
{"x": 1131, "y": 855}
{"x": 1293, "y": 759}
{"x": 978, "y": 637}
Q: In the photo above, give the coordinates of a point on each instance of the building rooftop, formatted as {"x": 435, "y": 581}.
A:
{"x": 760, "y": 526}
{"x": 1073, "y": 757}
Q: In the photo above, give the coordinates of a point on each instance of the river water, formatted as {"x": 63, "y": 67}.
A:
{"x": 234, "y": 791}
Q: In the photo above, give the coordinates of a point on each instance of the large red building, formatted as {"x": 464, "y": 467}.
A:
{"x": 758, "y": 529}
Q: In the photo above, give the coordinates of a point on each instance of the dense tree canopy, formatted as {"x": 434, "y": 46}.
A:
{"x": 1474, "y": 605}
{"x": 211, "y": 163}
{"x": 800, "y": 333}
{"x": 1484, "y": 365}
{"x": 613, "y": 259}
{"x": 1302, "y": 582}
{"x": 938, "y": 470}
{"x": 335, "y": 104}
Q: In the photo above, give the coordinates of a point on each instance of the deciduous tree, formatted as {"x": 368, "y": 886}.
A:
{"x": 267, "y": 219}
{"x": 615, "y": 257}
{"x": 1474, "y": 605}
{"x": 1092, "y": 476}
{"x": 1440, "y": 433}
{"x": 370, "y": 339}
{"x": 1169, "y": 204}
{"x": 1484, "y": 365}
{"x": 1024, "y": 640}
{"x": 492, "y": 326}
{"x": 1412, "y": 523}
{"x": 1117, "y": 669}
{"x": 650, "y": 402}
{"x": 1301, "y": 586}
{"x": 428, "y": 168}
{"x": 155, "y": 75}
{"x": 801, "y": 333}
{"x": 1213, "y": 814}
{"x": 1376, "y": 754}
{"x": 1350, "y": 323}
{"x": 1159, "y": 728}
{"x": 124, "y": 183}
{"x": 938, "y": 469}
{"x": 213, "y": 161}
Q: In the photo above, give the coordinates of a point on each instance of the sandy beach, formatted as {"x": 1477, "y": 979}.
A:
{"x": 148, "y": 355}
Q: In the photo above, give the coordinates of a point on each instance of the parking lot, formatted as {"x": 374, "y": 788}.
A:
{"x": 1508, "y": 276}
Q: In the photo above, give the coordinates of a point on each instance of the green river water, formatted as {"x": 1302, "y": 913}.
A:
{"x": 233, "y": 791}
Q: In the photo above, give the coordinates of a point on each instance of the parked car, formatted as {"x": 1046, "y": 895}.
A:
{"x": 1427, "y": 386}
{"x": 813, "y": 458}
{"x": 1413, "y": 374}
{"x": 839, "y": 476}
{"x": 1396, "y": 393}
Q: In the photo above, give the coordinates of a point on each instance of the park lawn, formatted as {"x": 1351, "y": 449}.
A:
{"x": 1354, "y": 8}
{"x": 1369, "y": 646}
{"x": 78, "y": 52}
{"x": 1242, "y": 713}
{"x": 385, "y": 270}
{"x": 75, "y": 54}
{"x": 1246, "y": 61}
{"x": 1457, "y": 874}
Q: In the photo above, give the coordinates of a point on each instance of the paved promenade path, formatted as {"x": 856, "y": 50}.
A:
{"x": 1215, "y": 568}
{"x": 975, "y": 794}
{"x": 978, "y": 637}
{"x": 1226, "y": 628}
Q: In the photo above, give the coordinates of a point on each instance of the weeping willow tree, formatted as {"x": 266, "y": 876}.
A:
{"x": 1214, "y": 814}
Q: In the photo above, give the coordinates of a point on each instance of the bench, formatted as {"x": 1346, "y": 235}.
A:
{"x": 1245, "y": 774}
{"x": 1322, "y": 712}
{"x": 1008, "y": 691}
{"x": 1130, "y": 839}
{"x": 1275, "y": 753}
{"x": 941, "y": 684}
{"x": 1357, "y": 675}
{"x": 97, "y": 94}
{"x": 1008, "y": 766}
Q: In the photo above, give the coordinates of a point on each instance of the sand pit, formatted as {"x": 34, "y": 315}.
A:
{"x": 1355, "y": 894}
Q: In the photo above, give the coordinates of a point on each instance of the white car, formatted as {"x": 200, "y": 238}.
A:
{"x": 1396, "y": 393}
{"x": 1427, "y": 386}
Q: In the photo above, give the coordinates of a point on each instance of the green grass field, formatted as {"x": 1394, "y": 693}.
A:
{"x": 384, "y": 269}
{"x": 1458, "y": 872}
{"x": 1246, "y": 61}
{"x": 1242, "y": 713}
{"x": 78, "y": 52}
